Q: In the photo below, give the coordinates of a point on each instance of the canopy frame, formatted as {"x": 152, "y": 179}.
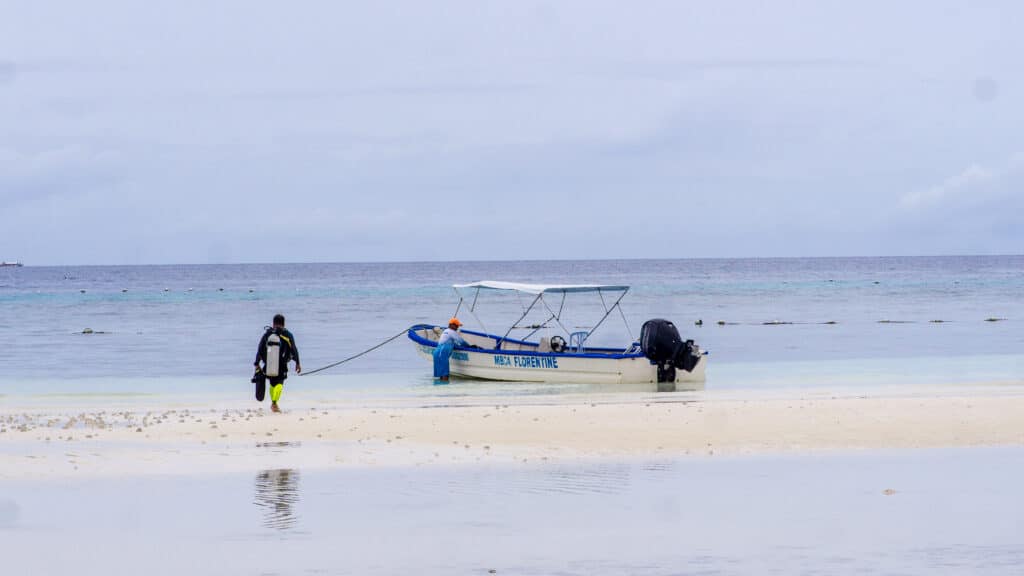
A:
{"x": 539, "y": 290}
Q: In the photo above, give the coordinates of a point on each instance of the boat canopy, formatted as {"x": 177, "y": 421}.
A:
{"x": 538, "y": 291}
{"x": 542, "y": 288}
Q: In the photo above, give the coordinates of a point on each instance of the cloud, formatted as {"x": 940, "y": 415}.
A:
{"x": 675, "y": 69}
{"x": 11, "y": 70}
{"x": 950, "y": 189}
{"x": 985, "y": 88}
{"x": 62, "y": 170}
{"x": 972, "y": 212}
{"x": 411, "y": 90}
{"x": 7, "y": 71}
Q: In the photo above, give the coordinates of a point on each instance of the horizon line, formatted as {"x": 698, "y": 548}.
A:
{"x": 509, "y": 260}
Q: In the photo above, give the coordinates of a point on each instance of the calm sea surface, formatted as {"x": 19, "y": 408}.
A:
{"x": 898, "y": 512}
{"x": 199, "y": 324}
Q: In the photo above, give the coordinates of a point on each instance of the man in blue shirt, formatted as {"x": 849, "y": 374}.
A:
{"x": 450, "y": 338}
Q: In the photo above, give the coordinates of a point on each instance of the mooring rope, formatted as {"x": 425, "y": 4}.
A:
{"x": 367, "y": 351}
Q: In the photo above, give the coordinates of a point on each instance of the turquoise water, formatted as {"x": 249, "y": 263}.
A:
{"x": 198, "y": 325}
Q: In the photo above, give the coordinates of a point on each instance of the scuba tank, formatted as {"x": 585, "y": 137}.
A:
{"x": 273, "y": 368}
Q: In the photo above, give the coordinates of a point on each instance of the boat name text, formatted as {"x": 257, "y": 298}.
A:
{"x": 527, "y": 361}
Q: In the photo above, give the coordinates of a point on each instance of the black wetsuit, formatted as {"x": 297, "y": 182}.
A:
{"x": 289, "y": 351}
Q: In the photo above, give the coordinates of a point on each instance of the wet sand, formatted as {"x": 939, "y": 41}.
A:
{"x": 144, "y": 436}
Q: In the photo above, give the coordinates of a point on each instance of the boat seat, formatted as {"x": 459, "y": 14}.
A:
{"x": 544, "y": 345}
{"x": 576, "y": 340}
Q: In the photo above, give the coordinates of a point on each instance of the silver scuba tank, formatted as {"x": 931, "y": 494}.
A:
{"x": 273, "y": 368}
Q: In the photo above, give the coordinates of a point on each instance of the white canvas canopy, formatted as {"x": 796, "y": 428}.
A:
{"x": 542, "y": 288}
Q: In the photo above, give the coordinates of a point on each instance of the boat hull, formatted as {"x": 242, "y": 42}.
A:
{"x": 523, "y": 364}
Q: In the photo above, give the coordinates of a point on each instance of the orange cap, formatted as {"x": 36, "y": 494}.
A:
{"x": 454, "y": 321}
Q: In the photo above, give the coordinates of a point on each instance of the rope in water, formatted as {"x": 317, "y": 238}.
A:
{"x": 367, "y": 351}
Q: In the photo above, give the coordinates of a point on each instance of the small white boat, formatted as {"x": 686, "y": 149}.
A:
{"x": 10, "y": 264}
{"x": 563, "y": 356}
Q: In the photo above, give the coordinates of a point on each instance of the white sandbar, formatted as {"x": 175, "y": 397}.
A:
{"x": 40, "y": 441}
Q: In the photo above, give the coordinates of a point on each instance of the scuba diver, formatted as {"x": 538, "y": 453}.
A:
{"x": 449, "y": 339}
{"x": 276, "y": 349}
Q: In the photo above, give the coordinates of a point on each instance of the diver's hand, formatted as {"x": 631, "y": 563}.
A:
{"x": 298, "y": 369}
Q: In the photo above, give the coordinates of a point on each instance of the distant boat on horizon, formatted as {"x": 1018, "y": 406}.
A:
{"x": 6, "y": 264}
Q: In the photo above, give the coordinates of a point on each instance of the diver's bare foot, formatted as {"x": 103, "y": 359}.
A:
{"x": 274, "y": 408}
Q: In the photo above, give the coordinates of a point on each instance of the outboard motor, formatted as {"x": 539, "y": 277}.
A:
{"x": 660, "y": 342}
{"x": 687, "y": 356}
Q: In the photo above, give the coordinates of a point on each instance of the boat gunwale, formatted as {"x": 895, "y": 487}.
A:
{"x": 614, "y": 353}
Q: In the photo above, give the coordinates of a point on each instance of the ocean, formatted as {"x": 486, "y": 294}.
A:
{"x": 130, "y": 342}
{"x": 766, "y": 323}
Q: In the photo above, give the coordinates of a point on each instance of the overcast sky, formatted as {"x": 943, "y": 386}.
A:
{"x": 192, "y": 132}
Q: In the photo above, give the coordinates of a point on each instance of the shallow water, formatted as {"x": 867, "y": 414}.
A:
{"x": 877, "y": 376}
{"x": 196, "y": 322}
{"x": 896, "y": 512}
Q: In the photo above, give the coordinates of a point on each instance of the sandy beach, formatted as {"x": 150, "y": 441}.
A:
{"x": 39, "y": 441}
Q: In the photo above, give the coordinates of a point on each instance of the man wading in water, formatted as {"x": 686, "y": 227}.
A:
{"x": 276, "y": 348}
{"x": 445, "y": 345}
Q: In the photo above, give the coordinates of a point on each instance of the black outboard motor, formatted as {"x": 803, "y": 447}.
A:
{"x": 687, "y": 356}
{"x": 660, "y": 342}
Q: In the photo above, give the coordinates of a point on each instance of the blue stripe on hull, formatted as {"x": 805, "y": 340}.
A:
{"x": 611, "y": 353}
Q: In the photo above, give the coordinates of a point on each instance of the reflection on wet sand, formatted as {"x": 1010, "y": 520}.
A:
{"x": 278, "y": 444}
{"x": 277, "y": 492}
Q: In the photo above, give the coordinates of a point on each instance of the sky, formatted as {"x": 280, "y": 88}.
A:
{"x": 249, "y": 131}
